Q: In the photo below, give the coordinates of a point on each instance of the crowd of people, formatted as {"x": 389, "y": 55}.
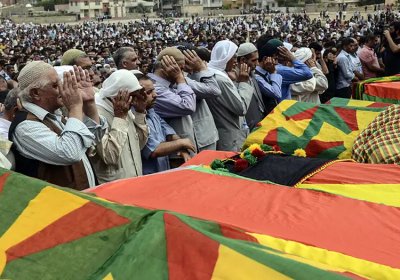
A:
{"x": 97, "y": 102}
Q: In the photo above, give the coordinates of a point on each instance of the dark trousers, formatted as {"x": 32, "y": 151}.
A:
{"x": 343, "y": 92}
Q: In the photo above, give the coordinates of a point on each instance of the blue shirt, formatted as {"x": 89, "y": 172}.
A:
{"x": 271, "y": 89}
{"x": 291, "y": 75}
{"x": 346, "y": 70}
{"x": 173, "y": 102}
{"x": 158, "y": 132}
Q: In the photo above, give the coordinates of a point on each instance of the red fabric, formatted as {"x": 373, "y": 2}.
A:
{"x": 315, "y": 218}
{"x": 349, "y": 116}
{"x": 357, "y": 173}
{"x": 190, "y": 254}
{"x": 207, "y": 157}
{"x": 384, "y": 90}
{"x": 79, "y": 223}
{"x": 237, "y": 234}
{"x": 337, "y": 173}
{"x": 304, "y": 115}
{"x": 315, "y": 147}
{"x": 3, "y": 179}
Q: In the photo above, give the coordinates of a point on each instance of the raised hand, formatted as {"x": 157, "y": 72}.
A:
{"x": 84, "y": 84}
{"x": 269, "y": 65}
{"x": 122, "y": 104}
{"x": 243, "y": 75}
{"x": 172, "y": 69}
{"x": 310, "y": 63}
{"x": 139, "y": 101}
{"x": 193, "y": 61}
{"x": 70, "y": 94}
{"x": 286, "y": 54}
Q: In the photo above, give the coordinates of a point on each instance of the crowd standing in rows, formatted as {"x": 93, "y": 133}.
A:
{"x": 97, "y": 102}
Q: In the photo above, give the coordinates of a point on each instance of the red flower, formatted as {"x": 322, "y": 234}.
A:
{"x": 258, "y": 153}
{"x": 240, "y": 165}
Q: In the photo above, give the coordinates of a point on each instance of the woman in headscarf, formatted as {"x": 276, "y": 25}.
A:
{"x": 118, "y": 153}
{"x": 309, "y": 90}
{"x": 231, "y": 106}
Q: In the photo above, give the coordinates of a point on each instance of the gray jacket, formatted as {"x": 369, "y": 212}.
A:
{"x": 229, "y": 110}
{"x": 205, "y": 86}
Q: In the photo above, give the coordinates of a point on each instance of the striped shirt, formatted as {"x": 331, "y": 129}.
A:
{"x": 36, "y": 141}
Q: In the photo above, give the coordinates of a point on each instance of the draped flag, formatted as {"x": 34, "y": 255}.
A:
{"x": 324, "y": 131}
{"x": 49, "y": 232}
{"x": 383, "y": 89}
{"x": 346, "y": 232}
{"x": 336, "y": 101}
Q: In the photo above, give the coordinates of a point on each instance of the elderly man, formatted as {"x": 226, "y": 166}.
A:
{"x": 126, "y": 58}
{"x": 248, "y": 54}
{"x": 176, "y": 101}
{"x": 47, "y": 145}
{"x": 118, "y": 153}
{"x": 230, "y": 108}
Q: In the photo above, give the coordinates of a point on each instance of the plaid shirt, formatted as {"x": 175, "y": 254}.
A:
{"x": 380, "y": 141}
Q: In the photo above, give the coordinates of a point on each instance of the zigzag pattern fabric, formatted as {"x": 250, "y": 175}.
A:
{"x": 325, "y": 131}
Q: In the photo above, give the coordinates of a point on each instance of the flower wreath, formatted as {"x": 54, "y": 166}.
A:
{"x": 249, "y": 157}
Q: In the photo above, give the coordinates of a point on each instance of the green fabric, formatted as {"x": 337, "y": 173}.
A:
{"x": 360, "y": 89}
{"x": 368, "y": 97}
{"x": 135, "y": 249}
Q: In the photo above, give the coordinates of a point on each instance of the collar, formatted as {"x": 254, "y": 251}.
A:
{"x": 261, "y": 70}
{"x": 158, "y": 80}
{"x": 345, "y": 53}
{"x": 40, "y": 112}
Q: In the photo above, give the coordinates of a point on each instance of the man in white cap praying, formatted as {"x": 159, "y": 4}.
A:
{"x": 248, "y": 54}
{"x": 49, "y": 146}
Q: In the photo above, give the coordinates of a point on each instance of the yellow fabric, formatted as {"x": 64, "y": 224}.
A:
{"x": 327, "y": 133}
{"x": 388, "y": 194}
{"x": 47, "y": 207}
{"x": 234, "y": 266}
{"x": 274, "y": 120}
{"x": 306, "y": 261}
{"x": 359, "y": 103}
{"x": 108, "y": 277}
{"x": 336, "y": 260}
{"x": 364, "y": 119}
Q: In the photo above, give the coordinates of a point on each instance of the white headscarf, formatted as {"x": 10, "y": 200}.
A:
{"x": 222, "y": 52}
{"x": 120, "y": 79}
{"x": 303, "y": 54}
